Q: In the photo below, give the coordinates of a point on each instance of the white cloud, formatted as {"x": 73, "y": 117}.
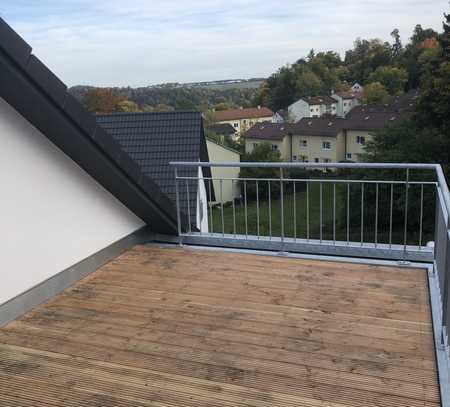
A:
{"x": 141, "y": 42}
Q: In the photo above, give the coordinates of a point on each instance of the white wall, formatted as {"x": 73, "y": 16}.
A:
{"x": 52, "y": 213}
{"x": 298, "y": 110}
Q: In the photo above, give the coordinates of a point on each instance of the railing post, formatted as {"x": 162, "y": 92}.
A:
{"x": 405, "y": 230}
{"x": 445, "y": 299}
{"x": 180, "y": 239}
{"x": 282, "y": 208}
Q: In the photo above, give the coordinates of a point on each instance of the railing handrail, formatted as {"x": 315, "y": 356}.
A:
{"x": 406, "y": 166}
{"x": 305, "y": 165}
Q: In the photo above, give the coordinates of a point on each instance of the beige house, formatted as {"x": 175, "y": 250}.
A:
{"x": 277, "y": 135}
{"x": 327, "y": 139}
{"x": 244, "y": 119}
{"x": 226, "y": 190}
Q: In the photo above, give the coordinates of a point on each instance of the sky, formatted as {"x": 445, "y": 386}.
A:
{"x": 145, "y": 42}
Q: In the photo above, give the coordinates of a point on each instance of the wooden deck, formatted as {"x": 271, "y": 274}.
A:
{"x": 173, "y": 327}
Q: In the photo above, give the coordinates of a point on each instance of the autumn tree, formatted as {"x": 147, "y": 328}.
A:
{"x": 375, "y": 92}
{"x": 102, "y": 100}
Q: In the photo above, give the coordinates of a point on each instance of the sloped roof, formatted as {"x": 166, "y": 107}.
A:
{"x": 222, "y": 129}
{"x": 269, "y": 131}
{"x": 371, "y": 121}
{"x": 154, "y": 139}
{"x": 349, "y": 95}
{"x": 319, "y": 100}
{"x": 41, "y": 98}
{"x": 319, "y": 126}
{"x": 237, "y": 114}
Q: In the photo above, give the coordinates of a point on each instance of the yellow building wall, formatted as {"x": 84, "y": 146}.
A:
{"x": 284, "y": 146}
{"x": 353, "y": 147}
{"x": 242, "y": 125}
{"x": 315, "y": 150}
{"x": 217, "y": 154}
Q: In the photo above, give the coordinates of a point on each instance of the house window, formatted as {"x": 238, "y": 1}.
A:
{"x": 316, "y": 160}
{"x": 255, "y": 145}
{"x": 326, "y": 145}
{"x": 326, "y": 160}
{"x": 274, "y": 147}
{"x": 303, "y": 143}
{"x": 236, "y": 125}
{"x": 245, "y": 121}
{"x": 349, "y": 156}
{"x": 303, "y": 158}
{"x": 360, "y": 140}
{"x": 294, "y": 158}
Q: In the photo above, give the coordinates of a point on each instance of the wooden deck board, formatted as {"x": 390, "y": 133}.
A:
{"x": 180, "y": 327}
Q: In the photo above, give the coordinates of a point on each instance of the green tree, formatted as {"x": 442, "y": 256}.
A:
{"x": 127, "y": 106}
{"x": 392, "y": 78}
{"x": 375, "y": 92}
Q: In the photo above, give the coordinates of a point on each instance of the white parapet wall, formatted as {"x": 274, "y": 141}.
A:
{"x": 52, "y": 213}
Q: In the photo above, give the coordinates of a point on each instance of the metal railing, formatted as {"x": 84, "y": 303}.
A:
{"x": 381, "y": 211}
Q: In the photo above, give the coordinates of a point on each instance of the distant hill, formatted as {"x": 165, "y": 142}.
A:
{"x": 198, "y": 95}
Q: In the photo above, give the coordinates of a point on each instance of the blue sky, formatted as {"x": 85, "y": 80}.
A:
{"x": 143, "y": 42}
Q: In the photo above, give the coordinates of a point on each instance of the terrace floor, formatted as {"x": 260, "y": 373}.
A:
{"x": 161, "y": 326}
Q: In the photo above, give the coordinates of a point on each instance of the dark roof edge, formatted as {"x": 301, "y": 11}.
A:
{"x": 38, "y": 95}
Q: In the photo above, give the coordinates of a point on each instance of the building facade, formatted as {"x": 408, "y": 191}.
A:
{"x": 243, "y": 119}
{"x": 313, "y": 106}
{"x": 226, "y": 190}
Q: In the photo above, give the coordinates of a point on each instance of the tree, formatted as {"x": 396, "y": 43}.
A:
{"x": 261, "y": 153}
{"x": 392, "y": 78}
{"x": 102, "y": 100}
{"x": 397, "y": 47}
{"x": 127, "y": 106}
{"x": 375, "y": 92}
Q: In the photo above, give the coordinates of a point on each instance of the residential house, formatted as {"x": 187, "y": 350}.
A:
{"x": 281, "y": 116}
{"x": 346, "y": 101}
{"x": 357, "y": 88}
{"x": 363, "y": 121}
{"x": 318, "y": 139}
{"x": 225, "y": 190}
{"x": 330, "y": 139}
{"x": 312, "y": 106}
{"x": 275, "y": 134}
{"x": 223, "y": 130}
{"x": 242, "y": 119}
{"x": 153, "y": 140}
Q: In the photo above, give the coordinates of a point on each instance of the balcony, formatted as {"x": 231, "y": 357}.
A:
{"x": 171, "y": 326}
{"x": 325, "y": 287}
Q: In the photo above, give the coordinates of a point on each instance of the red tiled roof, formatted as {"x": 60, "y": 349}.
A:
{"x": 237, "y": 114}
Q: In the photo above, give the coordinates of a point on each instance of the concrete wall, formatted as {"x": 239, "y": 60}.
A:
{"x": 217, "y": 154}
{"x": 52, "y": 213}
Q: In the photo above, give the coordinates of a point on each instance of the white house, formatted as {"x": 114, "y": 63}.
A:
{"x": 312, "y": 106}
{"x": 346, "y": 101}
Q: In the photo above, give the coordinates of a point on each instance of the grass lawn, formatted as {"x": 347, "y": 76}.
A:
{"x": 297, "y": 226}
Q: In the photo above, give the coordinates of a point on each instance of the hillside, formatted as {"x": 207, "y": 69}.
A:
{"x": 198, "y": 96}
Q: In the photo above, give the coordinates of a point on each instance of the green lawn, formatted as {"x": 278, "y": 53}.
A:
{"x": 297, "y": 226}
{"x": 293, "y": 224}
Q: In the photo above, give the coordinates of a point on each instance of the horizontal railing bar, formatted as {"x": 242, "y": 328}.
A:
{"x": 306, "y": 165}
{"x": 343, "y": 181}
